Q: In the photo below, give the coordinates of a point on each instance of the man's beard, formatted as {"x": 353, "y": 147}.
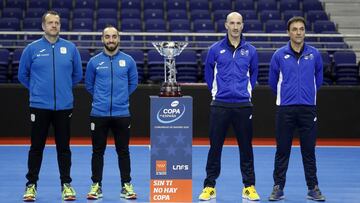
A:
{"x": 111, "y": 49}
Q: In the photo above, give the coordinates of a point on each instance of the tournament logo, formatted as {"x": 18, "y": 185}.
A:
{"x": 171, "y": 113}
{"x": 160, "y": 167}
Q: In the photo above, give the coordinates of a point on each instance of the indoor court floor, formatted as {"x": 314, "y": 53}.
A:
{"x": 338, "y": 174}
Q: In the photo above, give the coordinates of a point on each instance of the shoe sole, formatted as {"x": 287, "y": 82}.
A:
{"x": 70, "y": 199}
{"x": 248, "y": 198}
{"x": 280, "y": 198}
{"x": 29, "y": 199}
{"x": 128, "y": 197}
{"x": 211, "y": 197}
{"x": 319, "y": 200}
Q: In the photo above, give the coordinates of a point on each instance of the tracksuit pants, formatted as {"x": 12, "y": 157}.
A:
{"x": 220, "y": 120}
{"x": 304, "y": 119}
{"x": 120, "y": 126}
{"x": 41, "y": 119}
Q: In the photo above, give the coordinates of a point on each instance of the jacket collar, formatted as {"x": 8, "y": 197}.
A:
{"x": 289, "y": 50}
{"x": 225, "y": 41}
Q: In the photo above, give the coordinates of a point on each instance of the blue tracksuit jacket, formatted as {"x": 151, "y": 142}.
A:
{"x": 50, "y": 71}
{"x": 295, "y": 81}
{"x": 111, "y": 80}
{"x": 231, "y": 76}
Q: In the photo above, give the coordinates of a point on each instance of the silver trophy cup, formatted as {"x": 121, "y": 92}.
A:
{"x": 170, "y": 49}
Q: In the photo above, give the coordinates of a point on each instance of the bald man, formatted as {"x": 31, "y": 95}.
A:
{"x": 111, "y": 77}
{"x": 231, "y": 71}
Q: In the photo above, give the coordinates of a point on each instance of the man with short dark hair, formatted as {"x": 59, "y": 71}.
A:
{"x": 49, "y": 68}
{"x": 111, "y": 77}
{"x": 295, "y": 75}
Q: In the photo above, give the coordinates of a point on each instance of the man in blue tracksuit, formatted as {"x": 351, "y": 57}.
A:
{"x": 231, "y": 71}
{"x": 111, "y": 76}
{"x": 50, "y": 67}
{"x": 295, "y": 75}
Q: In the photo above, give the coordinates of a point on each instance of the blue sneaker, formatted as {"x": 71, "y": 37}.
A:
{"x": 277, "y": 194}
{"x": 315, "y": 194}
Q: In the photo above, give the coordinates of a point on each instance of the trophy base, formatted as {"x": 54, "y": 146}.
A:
{"x": 170, "y": 90}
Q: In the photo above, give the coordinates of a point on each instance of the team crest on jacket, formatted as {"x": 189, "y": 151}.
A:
{"x": 122, "y": 63}
{"x": 63, "y": 50}
{"x": 309, "y": 56}
{"x": 244, "y": 52}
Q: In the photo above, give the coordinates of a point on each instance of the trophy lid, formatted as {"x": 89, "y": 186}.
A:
{"x": 169, "y": 49}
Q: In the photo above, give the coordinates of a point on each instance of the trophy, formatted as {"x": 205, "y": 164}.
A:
{"x": 169, "y": 49}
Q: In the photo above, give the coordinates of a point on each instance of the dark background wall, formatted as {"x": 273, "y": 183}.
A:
{"x": 338, "y": 111}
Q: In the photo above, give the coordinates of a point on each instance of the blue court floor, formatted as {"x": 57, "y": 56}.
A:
{"x": 338, "y": 173}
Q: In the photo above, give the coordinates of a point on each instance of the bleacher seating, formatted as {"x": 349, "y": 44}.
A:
{"x": 185, "y": 16}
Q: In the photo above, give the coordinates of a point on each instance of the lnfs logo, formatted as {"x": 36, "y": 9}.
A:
{"x": 160, "y": 167}
{"x": 171, "y": 113}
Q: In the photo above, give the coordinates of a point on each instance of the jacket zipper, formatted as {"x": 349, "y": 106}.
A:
{"x": 53, "y": 53}
{"x": 111, "y": 95}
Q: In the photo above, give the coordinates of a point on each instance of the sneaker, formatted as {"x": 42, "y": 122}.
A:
{"x": 127, "y": 191}
{"x": 207, "y": 194}
{"x": 277, "y": 194}
{"x": 30, "y": 193}
{"x": 250, "y": 193}
{"x": 95, "y": 192}
{"x": 68, "y": 192}
{"x": 315, "y": 194}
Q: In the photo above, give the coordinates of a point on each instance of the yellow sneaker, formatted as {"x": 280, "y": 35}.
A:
{"x": 250, "y": 193}
{"x": 207, "y": 194}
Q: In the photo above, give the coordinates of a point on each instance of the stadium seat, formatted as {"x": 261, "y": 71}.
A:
{"x": 249, "y": 15}
{"x": 199, "y": 5}
{"x": 113, "y": 4}
{"x": 137, "y": 55}
{"x": 176, "y": 4}
{"x": 179, "y": 24}
{"x": 90, "y": 4}
{"x": 34, "y": 13}
{"x": 324, "y": 25}
{"x": 131, "y": 24}
{"x": 85, "y": 56}
{"x": 44, "y": 4}
{"x": 272, "y": 26}
{"x": 12, "y": 13}
{"x": 16, "y": 4}
{"x": 153, "y": 14}
{"x": 221, "y": 5}
{"x": 63, "y": 12}
{"x": 289, "y": 5}
{"x": 220, "y": 26}
{"x": 32, "y": 24}
{"x": 241, "y": 5}
{"x": 266, "y": 5}
{"x": 11, "y": 24}
{"x": 287, "y": 14}
{"x": 134, "y": 4}
{"x": 254, "y": 25}
{"x": 83, "y": 13}
{"x": 311, "y": 5}
{"x": 315, "y": 15}
{"x": 101, "y": 23}
{"x": 107, "y": 13}
{"x": 176, "y": 14}
{"x": 4, "y": 57}
{"x": 154, "y": 4}
{"x": 203, "y": 24}
{"x": 266, "y": 15}
{"x": 222, "y": 14}
{"x": 187, "y": 59}
{"x": 62, "y": 4}
{"x": 82, "y": 23}
{"x": 130, "y": 13}
{"x": 199, "y": 14}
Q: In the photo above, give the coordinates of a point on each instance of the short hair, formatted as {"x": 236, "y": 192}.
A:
{"x": 295, "y": 19}
{"x": 109, "y": 26}
{"x": 51, "y": 12}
